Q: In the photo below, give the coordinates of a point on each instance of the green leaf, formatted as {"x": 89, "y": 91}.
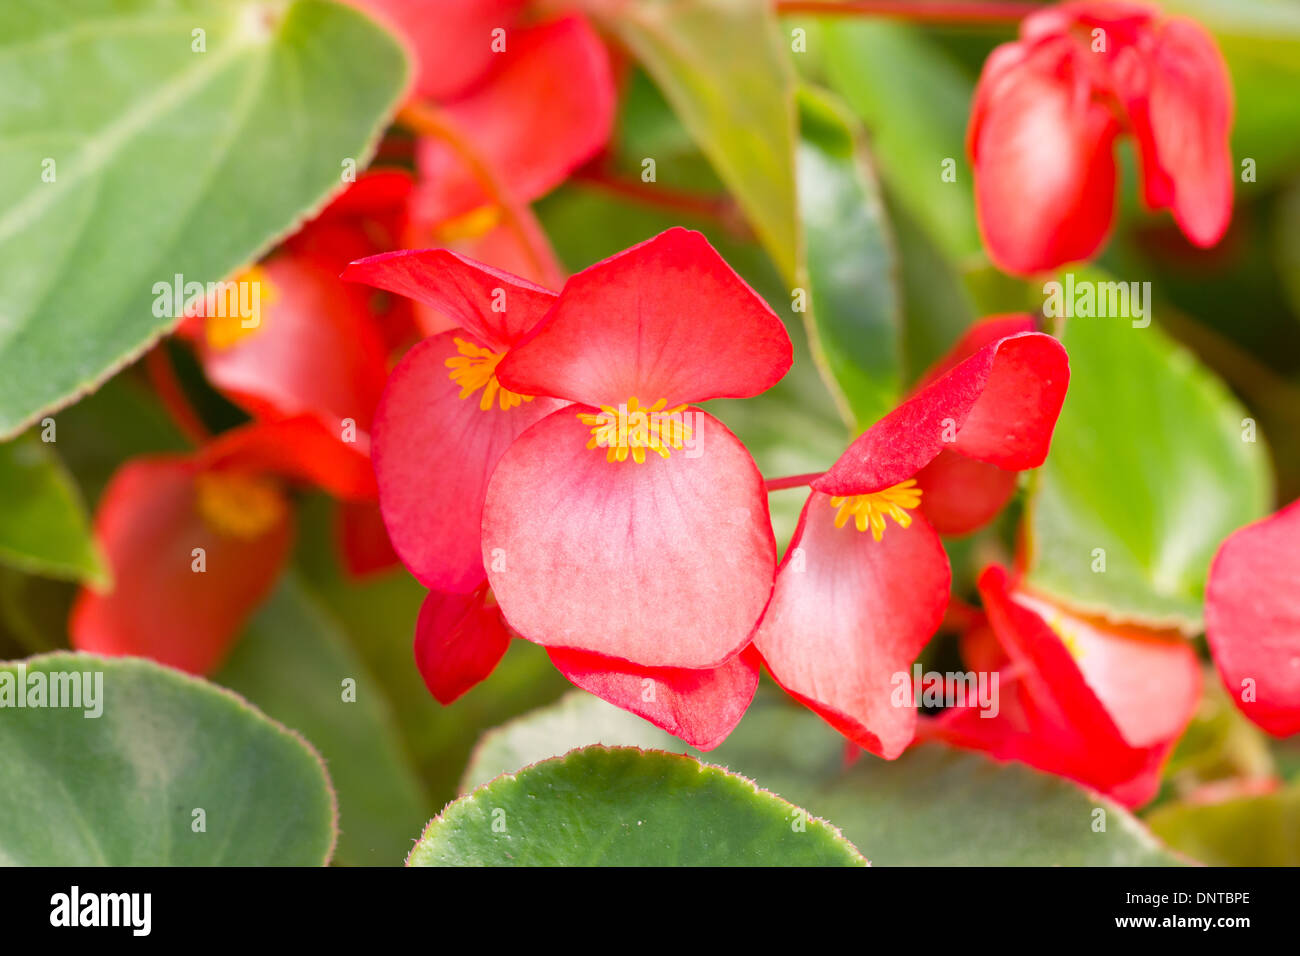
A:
{"x": 914, "y": 125}
{"x": 627, "y": 807}
{"x": 1260, "y": 830}
{"x": 850, "y": 268}
{"x": 932, "y": 806}
{"x": 121, "y": 787}
{"x": 1148, "y": 464}
{"x": 130, "y": 156}
{"x": 575, "y": 720}
{"x": 43, "y": 524}
{"x": 293, "y": 662}
{"x": 722, "y": 66}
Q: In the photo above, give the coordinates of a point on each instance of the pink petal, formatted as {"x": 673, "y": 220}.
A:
{"x": 664, "y": 319}
{"x": 848, "y": 615}
{"x": 666, "y": 563}
{"x": 459, "y": 640}
{"x": 699, "y": 706}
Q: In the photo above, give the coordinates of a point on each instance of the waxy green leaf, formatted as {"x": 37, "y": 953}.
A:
{"x": 151, "y": 767}
{"x": 1152, "y": 465}
{"x": 151, "y": 139}
{"x": 854, "y": 314}
{"x": 44, "y": 528}
{"x": 627, "y": 807}
{"x": 294, "y": 662}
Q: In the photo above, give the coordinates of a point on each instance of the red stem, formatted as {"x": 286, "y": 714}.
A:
{"x": 162, "y": 375}
{"x": 921, "y": 11}
{"x": 791, "y": 481}
{"x": 719, "y": 208}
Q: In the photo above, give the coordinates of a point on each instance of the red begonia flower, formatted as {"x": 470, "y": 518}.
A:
{"x": 229, "y": 499}
{"x": 546, "y": 107}
{"x": 459, "y": 639}
{"x": 1049, "y": 106}
{"x": 631, "y": 525}
{"x": 444, "y": 418}
{"x": 700, "y": 707}
{"x": 1096, "y": 702}
{"x": 1252, "y": 619}
{"x": 850, "y": 610}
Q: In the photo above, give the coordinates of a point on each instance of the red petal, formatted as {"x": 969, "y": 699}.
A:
{"x": 699, "y": 706}
{"x": 318, "y": 348}
{"x": 960, "y": 494}
{"x": 302, "y": 448}
{"x": 449, "y": 41}
{"x": 1252, "y": 619}
{"x": 149, "y": 525}
{"x": 496, "y": 308}
{"x": 667, "y": 563}
{"x": 433, "y": 454}
{"x": 1043, "y": 154}
{"x": 1183, "y": 126}
{"x": 363, "y": 539}
{"x": 459, "y": 639}
{"x": 545, "y": 109}
{"x": 369, "y": 216}
{"x": 1001, "y": 406}
{"x": 664, "y": 319}
{"x": 848, "y": 615}
{"x": 980, "y": 333}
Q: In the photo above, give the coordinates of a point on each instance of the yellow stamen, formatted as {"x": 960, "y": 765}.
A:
{"x": 870, "y": 510}
{"x": 631, "y": 428}
{"x": 238, "y": 309}
{"x": 471, "y": 225}
{"x": 476, "y": 367}
{"x": 239, "y": 505}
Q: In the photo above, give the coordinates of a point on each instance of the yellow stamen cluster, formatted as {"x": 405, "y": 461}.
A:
{"x": 470, "y": 225}
{"x": 631, "y": 429}
{"x": 476, "y": 367}
{"x": 238, "y": 505}
{"x": 236, "y": 311}
{"x": 870, "y": 510}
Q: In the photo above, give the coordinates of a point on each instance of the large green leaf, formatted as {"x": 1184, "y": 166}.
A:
{"x": 722, "y": 66}
{"x": 854, "y": 319}
{"x": 295, "y": 663}
{"x": 932, "y": 806}
{"x": 915, "y": 126}
{"x": 159, "y": 769}
{"x": 43, "y": 524}
{"x": 1249, "y": 830}
{"x": 130, "y": 156}
{"x": 1148, "y": 464}
{"x": 627, "y": 807}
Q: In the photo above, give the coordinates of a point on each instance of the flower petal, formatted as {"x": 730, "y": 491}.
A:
{"x": 459, "y": 640}
{"x": 363, "y": 539}
{"x": 1252, "y": 619}
{"x": 433, "y": 454}
{"x": 960, "y": 494}
{"x": 317, "y": 348}
{"x": 1043, "y": 154}
{"x": 664, "y": 319}
{"x": 998, "y": 406}
{"x": 699, "y": 706}
{"x": 545, "y": 109}
{"x": 450, "y": 41}
{"x": 149, "y": 525}
{"x": 848, "y": 615}
{"x": 665, "y": 563}
{"x": 1183, "y": 128}
{"x": 303, "y": 448}
{"x": 495, "y": 307}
